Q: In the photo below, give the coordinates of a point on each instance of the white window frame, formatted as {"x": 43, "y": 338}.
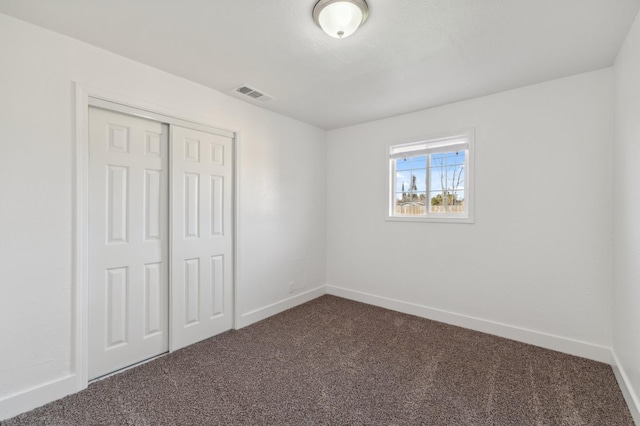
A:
{"x": 429, "y": 145}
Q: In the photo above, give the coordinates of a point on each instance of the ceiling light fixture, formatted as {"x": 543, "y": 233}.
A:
{"x": 340, "y": 18}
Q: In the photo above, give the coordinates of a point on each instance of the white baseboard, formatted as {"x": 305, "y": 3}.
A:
{"x": 28, "y": 399}
{"x": 548, "y": 341}
{"x": 275, "y": 308}
{"x": 625, "y": 386}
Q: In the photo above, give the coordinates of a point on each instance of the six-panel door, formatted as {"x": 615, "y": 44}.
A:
{"x": 202, "y": 239}
{"x": 128, "y": 240}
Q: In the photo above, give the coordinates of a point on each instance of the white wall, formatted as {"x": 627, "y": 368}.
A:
{"x": 539, "y": 256}
{"x": 282, "y": 198}
{"x": 626, "y": 214}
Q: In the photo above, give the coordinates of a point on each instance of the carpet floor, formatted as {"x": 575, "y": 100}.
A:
{"x": 336, "y": 362}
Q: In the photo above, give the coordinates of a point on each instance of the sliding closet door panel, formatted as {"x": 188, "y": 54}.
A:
{"x": 202, "y": 239}
{"x": 128, "y": 240}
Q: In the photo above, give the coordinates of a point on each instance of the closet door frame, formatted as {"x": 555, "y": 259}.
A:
{"x": 86, "y": 96}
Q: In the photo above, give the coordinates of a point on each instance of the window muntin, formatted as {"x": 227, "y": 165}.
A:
{"x": 430, "y": 179}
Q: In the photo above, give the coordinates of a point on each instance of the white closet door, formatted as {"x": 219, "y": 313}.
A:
{"x": 202, "y": 239}
{"x": 128, "y": 235}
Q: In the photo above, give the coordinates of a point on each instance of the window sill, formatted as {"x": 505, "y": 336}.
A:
{"x": 448, "y": 219}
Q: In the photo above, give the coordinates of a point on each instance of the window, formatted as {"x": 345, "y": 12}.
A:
{"x": 431, "y": 180}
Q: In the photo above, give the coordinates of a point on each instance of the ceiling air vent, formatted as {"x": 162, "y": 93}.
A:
{"x": 253, "y": 93}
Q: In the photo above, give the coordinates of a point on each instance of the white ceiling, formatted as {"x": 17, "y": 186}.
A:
{"x": 409, "y": 55}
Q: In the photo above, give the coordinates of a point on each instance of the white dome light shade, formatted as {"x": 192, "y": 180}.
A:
{"x": 340, "y": 18}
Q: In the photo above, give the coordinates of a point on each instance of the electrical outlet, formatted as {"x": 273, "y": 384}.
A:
{"x": 291, "y": 287}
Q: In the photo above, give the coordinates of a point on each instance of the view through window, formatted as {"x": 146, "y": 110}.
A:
{"x": 430, "y": 179}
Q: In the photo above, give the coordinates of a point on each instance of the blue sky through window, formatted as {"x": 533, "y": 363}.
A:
{"x": 446, "y": 173}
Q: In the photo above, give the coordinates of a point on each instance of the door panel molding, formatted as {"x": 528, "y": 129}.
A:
{"x": 85, "y": 96}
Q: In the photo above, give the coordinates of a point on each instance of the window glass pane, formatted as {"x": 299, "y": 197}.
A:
{"x": 403, "y": 181}
{"x": 446, "y": 202}
{"x": 410, "y": 203}
{"x": 458, "y": 197}
{"x": 447, "y": 182}
{"x": 447, "y": 171}
{"x": 403, "y": 164}
{"x": 411, "y": 163}
{"x": 419, "y": 162}
{"x": 456, "y": 158}
{"x": 411, "y": 186}
{"x": 419, "y": 180}
{"x": 436, "y": 179}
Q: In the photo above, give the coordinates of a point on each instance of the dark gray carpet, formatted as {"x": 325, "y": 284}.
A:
{"x": 333, "y": 361}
